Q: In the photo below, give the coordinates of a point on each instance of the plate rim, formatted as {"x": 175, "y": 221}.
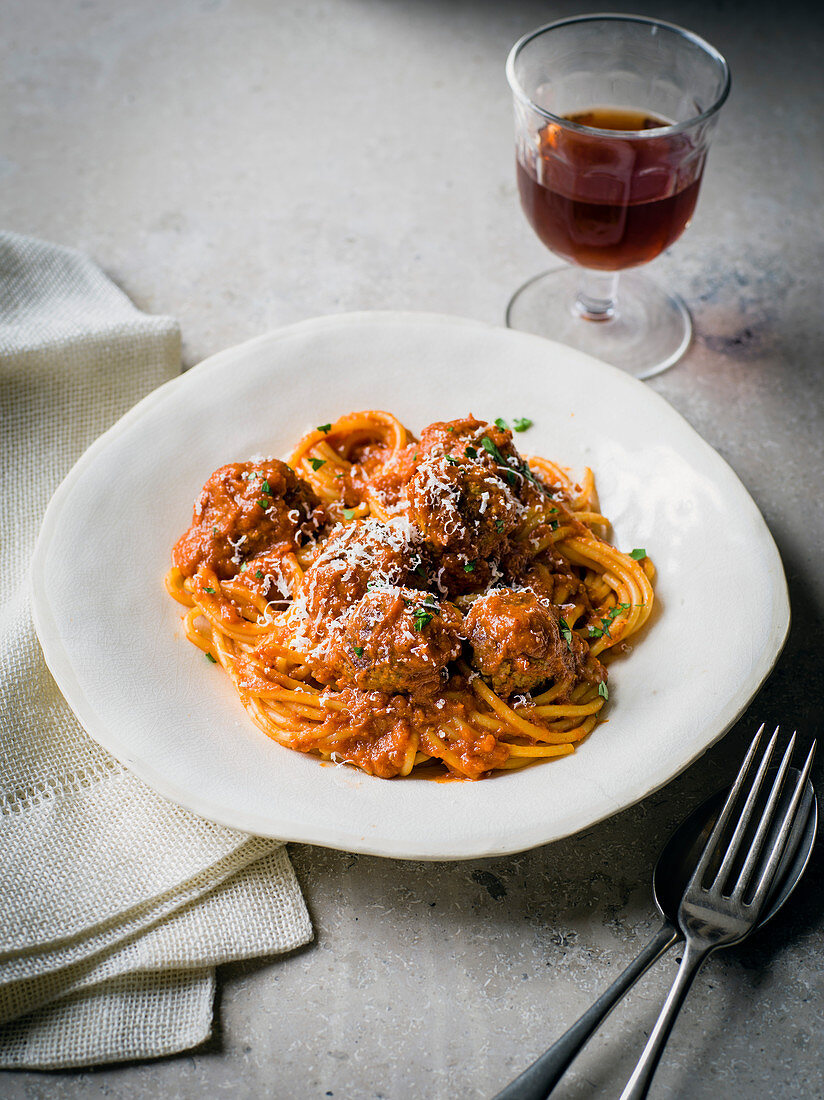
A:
{"x": 60, "y": 664}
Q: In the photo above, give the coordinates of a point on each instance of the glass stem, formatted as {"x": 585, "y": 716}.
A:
{"x": 597, "y": 294}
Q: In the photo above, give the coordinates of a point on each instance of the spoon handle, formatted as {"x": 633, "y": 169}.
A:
{"x": 538, "y": 1080}
{"x": 638, "y": 1085}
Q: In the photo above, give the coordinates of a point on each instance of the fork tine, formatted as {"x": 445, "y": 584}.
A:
{"x": 764, "y": 825}
{"x": 724, "y": 816}
{"x": 745, "y": 815}
{"x": 779, "y": 843}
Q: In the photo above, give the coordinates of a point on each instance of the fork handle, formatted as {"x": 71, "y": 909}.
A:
{"x": 641, "y": 1079}
{"x": 538, "y": 1080}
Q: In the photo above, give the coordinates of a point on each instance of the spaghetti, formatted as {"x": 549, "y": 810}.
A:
{"x": 396, "y": 603}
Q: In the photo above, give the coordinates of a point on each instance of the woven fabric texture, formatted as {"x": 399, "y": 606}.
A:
{"x": 115, "y": 904}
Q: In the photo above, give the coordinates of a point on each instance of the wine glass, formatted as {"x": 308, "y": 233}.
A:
{"x": 613, "y": 118}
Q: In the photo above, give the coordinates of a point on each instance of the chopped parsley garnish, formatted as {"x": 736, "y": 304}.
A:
{"x": 420, "y": 569}
{"x": 607, "y": 621}
{"x": 603, "y": 690}
{"x": 421, "y": 618}
{"x": 491, "y": 449}
{"x": 265, "y": 488}
{"x": 450, "y": 429}
{"x": 324, "y": 428}
{"x": 316, "y": 463}
{"x": 554, "y": 525}
{"x": 499, "y": 525}
{"x": 211, "y": 591}
{"x": 638, "y": 555}
{"x": 469, "y": 567}
{"x": 522, "y": 469}
{"x": 521, "y": 423}
{"x": 566, "y": 632}
{"x": 264, "y": 504}
{"x": 209, "y": 657}
{"x": 525, "y": 470}
{"x": 348, "y": 513}
{"x": 415, "y": 456}
{"x": 358, "y": 650}
{"x": 452, "y": 461}
{"x": 214, "y": 530}
{"x": 259, "y": 574}
{"x": 502, "y": 424}
{"x": 471, "y": 452}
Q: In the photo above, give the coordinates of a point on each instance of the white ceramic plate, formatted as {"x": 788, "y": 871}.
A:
{"x": 113, "y": 640}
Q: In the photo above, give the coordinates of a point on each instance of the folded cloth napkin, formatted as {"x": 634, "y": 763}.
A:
{"x": 115, "y": 905}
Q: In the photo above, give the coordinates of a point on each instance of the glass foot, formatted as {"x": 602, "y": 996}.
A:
{"x": 649, "y": 330}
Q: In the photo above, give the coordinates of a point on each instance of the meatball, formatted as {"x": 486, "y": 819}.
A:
{"x": 464, "y": 438}
{"x": 362, "y": 554}
{"x": 517, "y": 641}
{"x": 397, "y": 640}
{"x": 244, "y": 509}
{"x": 463, "y": 507}
{"x": 456, "y": 575}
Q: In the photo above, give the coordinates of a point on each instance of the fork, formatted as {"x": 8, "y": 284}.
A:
{"x": 725, "y": 896}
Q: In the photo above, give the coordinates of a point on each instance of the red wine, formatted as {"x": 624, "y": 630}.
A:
{"x": 610, "y": 203}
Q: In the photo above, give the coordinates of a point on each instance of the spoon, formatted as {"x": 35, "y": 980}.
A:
{"x": 669, "y": 881}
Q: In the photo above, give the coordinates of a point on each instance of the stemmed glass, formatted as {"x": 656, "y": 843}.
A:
{"x": 613, "y": 118}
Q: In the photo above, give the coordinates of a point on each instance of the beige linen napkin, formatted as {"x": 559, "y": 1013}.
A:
{"x": 115, "y": 905}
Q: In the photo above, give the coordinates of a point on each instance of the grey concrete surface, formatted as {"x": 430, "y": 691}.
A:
{"x": 242, "y": 164}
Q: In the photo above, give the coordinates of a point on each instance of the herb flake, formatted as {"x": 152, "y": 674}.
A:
{"x": 421, "y": 618}
{"x": 491, "y": 449}
{"x": 607, "y": 621}
{"x": 638, "y": 555}
{"x": 316, "y": 463}
{"x": 521, "y": 423}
